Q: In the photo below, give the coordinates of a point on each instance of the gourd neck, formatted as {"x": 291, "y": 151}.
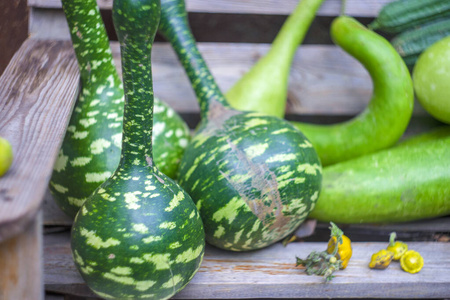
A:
{"x": 136, "y": 39}
{"x": 90, "y": 41}
{"x": 293, "y": 32}
{"x": 175, "y": 28}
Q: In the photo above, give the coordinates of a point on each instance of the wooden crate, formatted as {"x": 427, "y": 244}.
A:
{"x": 37, "y": 93}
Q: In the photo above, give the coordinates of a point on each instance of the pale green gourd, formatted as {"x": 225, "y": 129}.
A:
{"x": 264, "y": 87}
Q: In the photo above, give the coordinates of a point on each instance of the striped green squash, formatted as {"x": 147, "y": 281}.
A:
{"x": 91, "y": 148}
{"x": 139, "y": 235}
{"x": 254, "y": 178}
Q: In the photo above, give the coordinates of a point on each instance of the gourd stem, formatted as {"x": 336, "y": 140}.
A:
{"x": 392, "y": 238}
{"x": 174, "y": 26}
{"x": 90, "y": 41}
{"x": 136, "y": 45}
{"x": 343, "y": 6}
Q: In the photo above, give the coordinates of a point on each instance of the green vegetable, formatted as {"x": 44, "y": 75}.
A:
{"x": 91, "y": 148}
{"x": 405, "y": 183}
{"x": 385, "y": 119}
{"x": 254, "y": 177}
{"x": 431, "y": 77}
{"x": 252, "y": 92}
{"x": 402, "y": 15}
{"x": 434, "y": 134}
{"x": 6, "y": 156}
{"x": 410, "y": 44}
{"x": 139, "y": 236}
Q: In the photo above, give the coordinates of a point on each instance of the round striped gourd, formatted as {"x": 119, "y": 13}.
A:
{"x": 254, "y": 178}
{"x": 139, "y": 235}
{"x": 91, "y": 148}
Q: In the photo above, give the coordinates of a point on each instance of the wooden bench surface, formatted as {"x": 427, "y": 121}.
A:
{"x": 271, "y": 273}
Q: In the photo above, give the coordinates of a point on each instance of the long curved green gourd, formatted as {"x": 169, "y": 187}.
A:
{"x": 139, "y": 235}
{"x": 266, "y": 83}
{"x": 254, "y": 178}
{"x": 91, "y": 148}
{"x": 407, "y": 182}
{"x": 387, "y": 115}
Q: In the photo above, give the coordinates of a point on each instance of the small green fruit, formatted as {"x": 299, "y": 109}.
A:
{"x": 6, "y": 156}
{"x": 431, "y": 77}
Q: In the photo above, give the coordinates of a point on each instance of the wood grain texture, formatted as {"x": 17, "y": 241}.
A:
{"x": 37, "y": 93}
{"x": 271, "y": 273}
{"x": 324, "y": 80}
{"x": 21, "y": 269}
{"x": 367, "y": 8}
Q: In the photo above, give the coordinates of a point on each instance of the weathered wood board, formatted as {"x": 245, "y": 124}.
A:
{"x": 38, "y": 90}
{"x": 271, "y": 273}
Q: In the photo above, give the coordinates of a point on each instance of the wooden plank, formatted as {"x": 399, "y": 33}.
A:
{"x": 220, "y": 27}
{"x": 323, "y": 80}
{"x": 38, "y": 90}
{"x": 271, "y": 273}
{"x": 367, "y": 8}
{"x": 21, "y": 269}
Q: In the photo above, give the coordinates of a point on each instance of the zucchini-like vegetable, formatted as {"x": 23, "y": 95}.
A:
{"x": 410, "y": 44}
{"x": 254, "y": 177}
{"x": 267, "y": 81}
{"x": 404, "y": 183}
{"x": 91, "y": 148}
{"x": 402, "y": 15}
{"x": 139, "y": 236}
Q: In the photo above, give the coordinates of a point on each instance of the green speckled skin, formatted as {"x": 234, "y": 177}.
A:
{"x": 139, "y": 236}
{"x": 254, "y": 178}
{"x": 91, "y": 148}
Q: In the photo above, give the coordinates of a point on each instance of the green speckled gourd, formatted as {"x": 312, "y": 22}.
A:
{"x": 139, "y": 235}
{"x": 254, "y": 178}
{"x": 91, "y": 148}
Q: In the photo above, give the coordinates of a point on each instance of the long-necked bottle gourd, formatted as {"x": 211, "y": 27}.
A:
{"x": 408, "y": 182}
{"x": 266, "y": 83}
{"x": 388, "y": 113}
{"x": 139, "y": 235}
{"x": 254, "y": 177}
{"x": 91, "y": 148}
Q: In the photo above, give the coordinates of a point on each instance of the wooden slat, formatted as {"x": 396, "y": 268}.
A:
{"x": 271, "y": 273}
{"x": 21, "y": 267}
{"x": 324, "y": 80}
{"x": 367, "y": 8}
{"x": 37, "y": 93}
